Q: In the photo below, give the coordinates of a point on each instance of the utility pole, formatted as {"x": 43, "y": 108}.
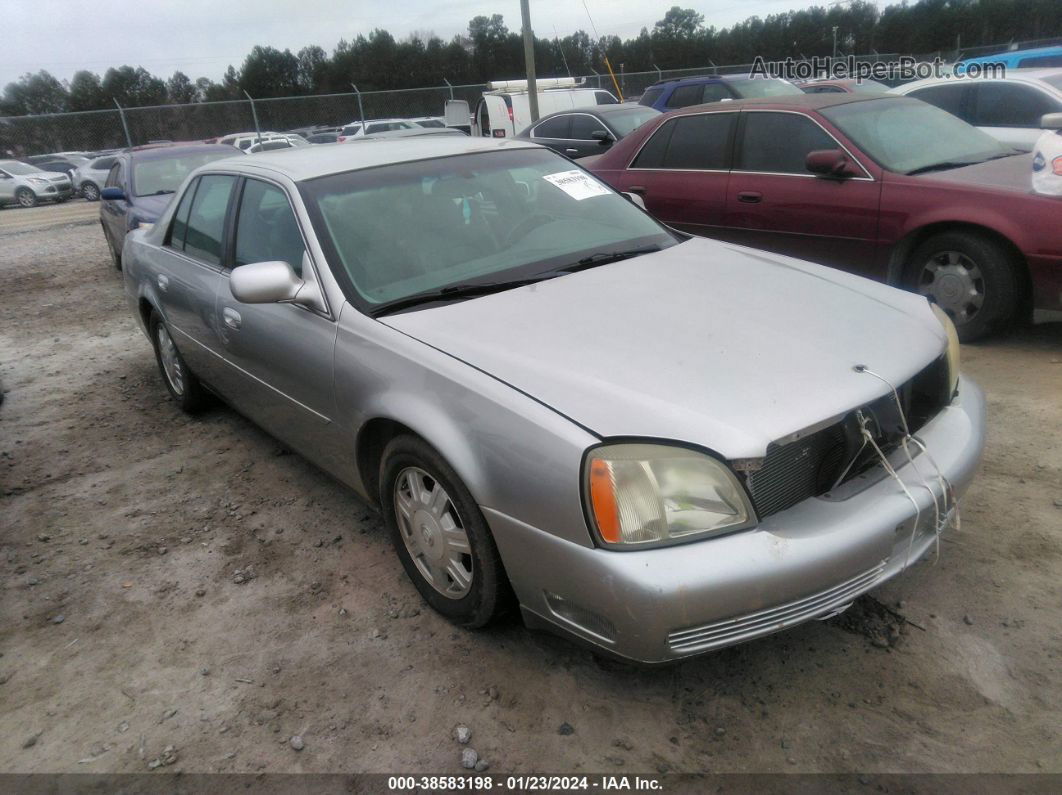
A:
{"x": 529, "y": 60}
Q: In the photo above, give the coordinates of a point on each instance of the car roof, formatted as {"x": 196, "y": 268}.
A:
{"x": 1019, "y": 75}
{"x": 790, "y": 101}
{"x": 176, "y": 150}
{"x": 308, "y": 162}
{"x": 703, "y": 79}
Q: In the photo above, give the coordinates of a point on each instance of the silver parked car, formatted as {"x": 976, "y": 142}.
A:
{"x": 653, "y": 444}
{"x": 27, "y": 185}
{"x": 89, "y": 178}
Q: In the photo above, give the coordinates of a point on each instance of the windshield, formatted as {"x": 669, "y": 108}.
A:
{"x": 906, "y": 135}
{"x": 15, "y": 168}
{"x": 409, "y": 228}
{"x": 753, "y": 87}
{"x": 624, "y": 121}
{"x": 165, "y": 174}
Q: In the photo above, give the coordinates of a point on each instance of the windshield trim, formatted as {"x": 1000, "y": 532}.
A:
{"x": 369, "y": 308}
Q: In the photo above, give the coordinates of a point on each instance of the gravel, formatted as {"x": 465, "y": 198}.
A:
{"x": 469, "y": 758}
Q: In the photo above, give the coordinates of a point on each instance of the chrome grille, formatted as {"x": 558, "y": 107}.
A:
{"x": 764, "y": 622}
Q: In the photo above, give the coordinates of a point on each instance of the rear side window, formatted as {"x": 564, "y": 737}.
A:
{"x": 115, "y": 177}
{"x": 267, "y": 229}
{"x": 650, "y": 96}
{"x": 684, "y": 96}
{"x": 947, "y": 98}
{"x": 557, "y": 127}
{"x": 1009, "y": 105}
{"x": 206, "y": 219}
{"x": 699, "y": 142}
{"x": 780, "y": 142}
{"x": 180, "y": 218}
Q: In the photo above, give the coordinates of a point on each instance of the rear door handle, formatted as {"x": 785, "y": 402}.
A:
{"x": 749, "y": 196}
{"x": 572, "y": 151}
{"x": 164, "y": 282}
{"x": 232, "y": 317}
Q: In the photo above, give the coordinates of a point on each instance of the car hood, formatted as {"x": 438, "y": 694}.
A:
{"x": 705, "y": 342}
{"x": 1008, "y": 173}
{"x": 149, "y": 208}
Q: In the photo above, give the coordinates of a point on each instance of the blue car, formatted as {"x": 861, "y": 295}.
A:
{"x": 1039, "y": 58}
{"x": 685, "y": 91}
{"x": 141, "y": 183}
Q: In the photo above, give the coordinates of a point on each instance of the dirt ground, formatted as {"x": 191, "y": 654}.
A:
{"x": 183, "y": 595}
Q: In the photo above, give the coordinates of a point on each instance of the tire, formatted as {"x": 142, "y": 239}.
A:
{"x": 91, "y": 191}
{"x": 180, "y": 381}
{"x": 971, "y": 277}
{"x": 432, "y": 537}
{"x": 25, "y": 197}
{"x": 61, "y": 199}
{"x": 116, "y": 255}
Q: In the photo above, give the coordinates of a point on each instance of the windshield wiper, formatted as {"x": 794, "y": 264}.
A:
{"x": 453, "y": 293}
{"x": 604, "y": 258}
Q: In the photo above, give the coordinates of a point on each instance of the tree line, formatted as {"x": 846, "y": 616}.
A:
{"x": 490, "y": 51}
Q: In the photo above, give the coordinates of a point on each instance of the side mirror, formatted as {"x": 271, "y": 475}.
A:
{"x": 112, "y": 194}
{"x": 264, "y": 283}
{"x": 829, "y": 163}
{"x": 603, "y": 137}
{"x": 635, "y": 199}
{"x": 1051, "y": 121}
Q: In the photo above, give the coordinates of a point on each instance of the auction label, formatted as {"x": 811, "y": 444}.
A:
{"x": 577, "y": 184}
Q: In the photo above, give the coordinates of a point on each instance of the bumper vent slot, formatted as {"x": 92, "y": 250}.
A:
{"x": 764, "y": 622}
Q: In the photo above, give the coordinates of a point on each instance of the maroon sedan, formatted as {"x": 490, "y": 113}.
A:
{"x": 887, "y": 187}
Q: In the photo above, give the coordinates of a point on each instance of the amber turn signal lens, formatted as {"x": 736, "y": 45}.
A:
{"x": 603, "y": 500}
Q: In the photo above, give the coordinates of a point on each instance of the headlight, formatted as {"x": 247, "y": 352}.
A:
{"x": 953, "y": 349}
{"x": 653, "y": 494}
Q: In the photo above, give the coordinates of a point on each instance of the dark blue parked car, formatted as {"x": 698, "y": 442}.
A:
{"x": 141, "y": 183}
{"x": 682, "y": 92}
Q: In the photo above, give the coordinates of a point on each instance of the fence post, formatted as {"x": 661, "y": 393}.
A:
{"x": 659, "y": 74}
{"x": 361, "y": 110}
{"x": 451, "y": 87}
{"x": 592, "y": 69}
{"x": 254, "y": 113}
{"x": 121, "y": 114}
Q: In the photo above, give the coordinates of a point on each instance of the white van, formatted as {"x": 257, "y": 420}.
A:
{"x": 504, "y": 110}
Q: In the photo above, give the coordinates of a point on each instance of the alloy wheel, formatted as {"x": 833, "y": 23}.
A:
{"x": 171, "y": 362}
{"x": 955, "y": 283}
{"x": 433, "y": 533}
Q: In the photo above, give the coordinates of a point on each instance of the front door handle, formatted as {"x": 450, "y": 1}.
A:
{"x": 572, "y": 151}
{"x": 639, "y": 189}
{"x": 164, "y": 281}
{"x": 232, "y": 317}
{"x": 750, "y": 196}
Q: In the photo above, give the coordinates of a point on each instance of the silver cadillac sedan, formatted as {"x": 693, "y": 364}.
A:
{"x": 652, "y": 444}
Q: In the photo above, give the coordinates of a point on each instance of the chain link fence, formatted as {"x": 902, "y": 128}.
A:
{"x": 95, "y": 130}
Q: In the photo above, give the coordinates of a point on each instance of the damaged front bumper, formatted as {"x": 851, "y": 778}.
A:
{"x": 806, "y": 562}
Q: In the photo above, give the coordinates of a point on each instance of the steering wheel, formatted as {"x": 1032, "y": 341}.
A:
{"x": 524, "y": 228}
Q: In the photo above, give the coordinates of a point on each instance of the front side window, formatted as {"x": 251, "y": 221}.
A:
{"x": 102, "y": 164}
{"x": 905, "y": 135}
{"x": 411, "y": 228}
{"x": 584, "y": 126}
{"x": 266, "y": 228}
{"x": 780, "y": 142}
{"x": 206, "y": 219}
{"x": 180, "y": 218}
{"x": 1009, "y": 105}
{"x": 157, "y": 175}
{"x": 557, "y": 127}
{"x": 684, "y": 96}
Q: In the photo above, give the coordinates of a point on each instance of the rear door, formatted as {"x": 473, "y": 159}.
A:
{"x": 278, "y": 356}
{"x": 682, "y": 171}
{"x": 189, "y": 272}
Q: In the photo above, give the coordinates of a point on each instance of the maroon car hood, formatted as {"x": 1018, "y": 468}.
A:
{"x": 1009, "y": 173}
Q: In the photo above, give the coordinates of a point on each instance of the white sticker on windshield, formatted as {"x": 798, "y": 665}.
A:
{"x": 577, "y": 184}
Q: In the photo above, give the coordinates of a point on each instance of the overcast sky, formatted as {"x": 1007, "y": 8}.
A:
{"x": 202, "y": 37}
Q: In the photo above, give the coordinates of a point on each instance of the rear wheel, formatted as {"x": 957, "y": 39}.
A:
{"x": 25, "y": 197}
{"x": 973, "y": 278}
{"x": 440, "y": 535}
{"x": 90, "y": 191}
{"x": 180, "y": 382}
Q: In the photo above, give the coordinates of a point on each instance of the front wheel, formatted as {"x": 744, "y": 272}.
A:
{"x": 90, "y": 191}
{"x": 973, "y": 278}
{"x": 180, "y": 382}
{"x": 440, "y": 535}
{"x": 25, "y": 197}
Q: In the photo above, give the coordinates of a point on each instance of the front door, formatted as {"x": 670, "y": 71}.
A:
{"x": 113, "y": 211}
{"x": 774, "y": 203}
{"x": 279, "y": 356}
